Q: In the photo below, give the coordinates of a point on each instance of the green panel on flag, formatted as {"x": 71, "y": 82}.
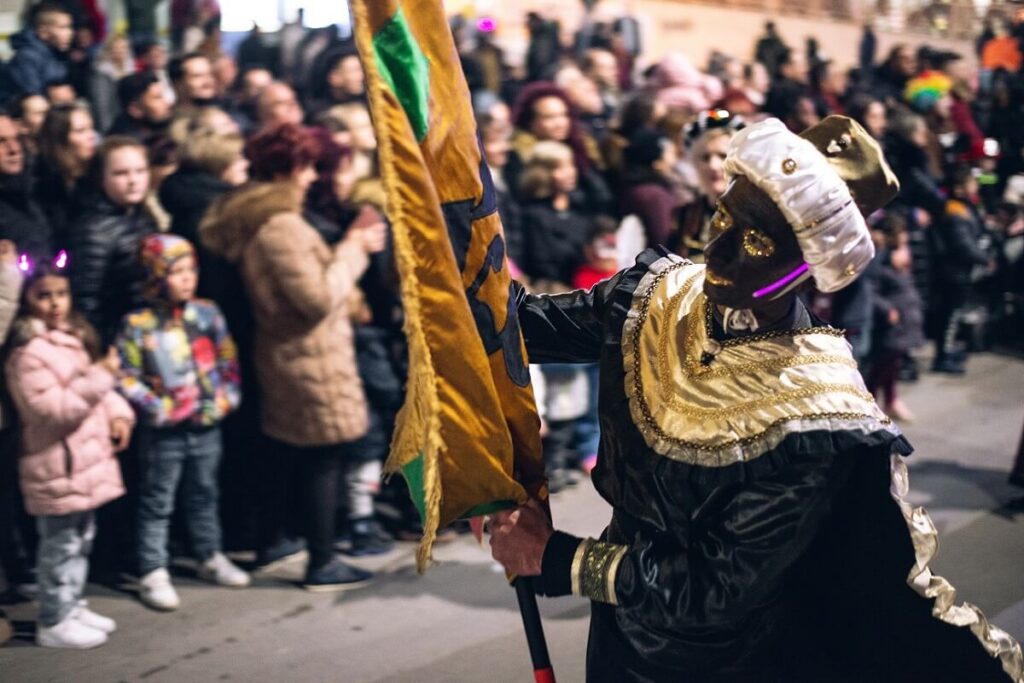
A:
{"x": 488, "y": 509}
{"x": 413, "y": 473}
{"x": 406, "y": 70}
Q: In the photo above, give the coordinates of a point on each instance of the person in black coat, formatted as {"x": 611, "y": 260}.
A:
{"x": 890, "y": 79}
{"x": 955, "y": 253}
{"x": 905, "y": 141}
{"x": 899, "y": 319}
{"x": 210, "y": 164}
{"x": 40, "y": 51}
{"x": 920, "y": 199}
{"x": 67, "y": 146}
{"x": 106, "y": 274}
{"x": 853, "y": 311}
{"x": 145, "y": 109}
{"x": 23, "y": 222}
{"x": 339, "y": 79}
{"x": 555, "y": 225}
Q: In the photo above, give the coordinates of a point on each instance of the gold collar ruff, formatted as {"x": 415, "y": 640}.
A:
{"x": 756, "y": 391}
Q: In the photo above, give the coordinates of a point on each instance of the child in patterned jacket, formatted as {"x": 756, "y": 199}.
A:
{"x": 180, "y": 371}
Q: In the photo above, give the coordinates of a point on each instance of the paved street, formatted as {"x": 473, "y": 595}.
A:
{"x": 459, "y": 622}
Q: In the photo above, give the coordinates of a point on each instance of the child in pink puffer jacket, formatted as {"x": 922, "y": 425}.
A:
{"x": 72, "y": 423}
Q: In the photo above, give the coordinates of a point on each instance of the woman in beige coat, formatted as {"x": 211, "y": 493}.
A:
{"x": 312, "y": 401}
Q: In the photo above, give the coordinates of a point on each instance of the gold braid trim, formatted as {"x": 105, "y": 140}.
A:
{"x": 594, "y": 568}
{"x": 577, "y": 564}
{"x": 997, "y": 642}
{"x": 754, "y": 392}
{"x": 418, "y": 424}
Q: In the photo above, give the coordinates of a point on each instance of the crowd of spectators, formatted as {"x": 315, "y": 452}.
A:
{"x": 196, "y": 269}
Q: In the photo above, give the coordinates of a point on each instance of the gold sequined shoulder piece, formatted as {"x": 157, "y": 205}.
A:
{"x": 756, "y": 391}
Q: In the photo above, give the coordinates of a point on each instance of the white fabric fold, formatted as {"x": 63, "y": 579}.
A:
{"x": 812, "y": 196}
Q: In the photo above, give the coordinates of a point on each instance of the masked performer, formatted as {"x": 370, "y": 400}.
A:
{"x": 759, "y": 531}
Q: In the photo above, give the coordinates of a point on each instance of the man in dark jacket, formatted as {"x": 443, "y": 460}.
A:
{"x": 543, "y": 50}
{"x": 956, "y": 252}
{"x": 890, "y": 79}
{"x": 192, "y": 77}
{"x": 145, "y": 109}
{"x": 39, "y": 52}
{"x": 770, "y": 49}
{"x": 23, "y": 222}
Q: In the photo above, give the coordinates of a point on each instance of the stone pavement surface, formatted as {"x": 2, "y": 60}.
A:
{"x": 459, "y": 622}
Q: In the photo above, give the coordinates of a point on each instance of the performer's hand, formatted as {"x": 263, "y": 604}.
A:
{"x": 518, "y": 538}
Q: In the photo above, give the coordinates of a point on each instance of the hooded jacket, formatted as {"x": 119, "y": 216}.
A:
{"x": 300, "y": 291}
{"x": 34, "y": 64}
{"x": 180, "y": 364}
{"x": 66, "y": 405}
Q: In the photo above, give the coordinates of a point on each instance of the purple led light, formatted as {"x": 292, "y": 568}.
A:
{"x": 61, "y": 261}
{"x": 486, "y": 25}
{"x": 24, "y": 263}
{"x": 782, "y": 282}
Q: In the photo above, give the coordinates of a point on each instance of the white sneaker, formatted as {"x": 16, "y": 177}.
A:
{"x": 86, "y": 616}
{"x": 223, "y": 572}
{"x": 71, "y": 634}
{"x": 155, "y": 590}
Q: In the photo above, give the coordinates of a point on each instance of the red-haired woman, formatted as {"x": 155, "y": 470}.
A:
{"x": 333, "y": 210}
{"x": 312, "y": 401}
{"x": 543, "y": 113}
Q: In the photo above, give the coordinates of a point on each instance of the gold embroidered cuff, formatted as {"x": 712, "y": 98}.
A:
{"x": 594, "y": 568}
{"x": 577, "y": 564}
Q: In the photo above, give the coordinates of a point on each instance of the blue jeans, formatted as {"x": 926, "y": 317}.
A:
{"x": 62, "y": 562}
{"x": 191, "y": 457}
{"x": 588, "y": 427}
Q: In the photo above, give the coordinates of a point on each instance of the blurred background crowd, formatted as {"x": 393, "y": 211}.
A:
{"x": 217, "y": 218}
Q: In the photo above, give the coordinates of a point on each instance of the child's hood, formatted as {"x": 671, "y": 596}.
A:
{"x": 159, "y": 253}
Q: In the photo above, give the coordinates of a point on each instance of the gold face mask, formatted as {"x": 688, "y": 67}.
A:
{"x": 757, "y": 244}
{"x": 721, "y": 221}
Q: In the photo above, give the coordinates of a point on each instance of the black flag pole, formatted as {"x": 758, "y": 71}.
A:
{"x": 542, "y": 671}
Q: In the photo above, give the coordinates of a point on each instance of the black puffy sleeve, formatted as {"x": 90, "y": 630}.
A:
{"x": 736, "y": 558}
{"x": 723, "y": 566}
{"x": 92, "y": 250}
{"x": 573, "y": 327}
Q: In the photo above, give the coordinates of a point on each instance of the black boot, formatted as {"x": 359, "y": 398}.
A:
{"x": 334, "y": 576}
{"x": 948, "y": 364}
{"x": 908, "y": 369}
{"x": 368, "y": 538}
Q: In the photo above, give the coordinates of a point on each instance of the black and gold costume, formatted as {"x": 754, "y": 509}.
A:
{"x": 759, "y": 530}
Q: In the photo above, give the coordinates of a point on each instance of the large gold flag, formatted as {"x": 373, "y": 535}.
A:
{"x": 467, "y": 439}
